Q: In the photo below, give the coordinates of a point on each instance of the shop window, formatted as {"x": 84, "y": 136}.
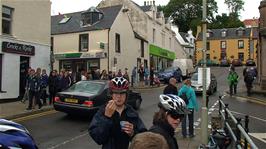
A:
{"x": 240, "y": 44}
{"x": 223, "y": 44}
{"x": 117, "y": 43}
{"x": 7, "y": 19}
{"x": 142, "y": 48}
{"x": 1, "y": 72}
{"x": 83, "y": 42}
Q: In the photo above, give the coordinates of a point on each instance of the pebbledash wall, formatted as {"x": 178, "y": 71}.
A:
{"x": 24, "y": 43}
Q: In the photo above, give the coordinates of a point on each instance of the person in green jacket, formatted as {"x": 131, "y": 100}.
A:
{"x": 232, "y": 79}
{"x": 191, "y": 105}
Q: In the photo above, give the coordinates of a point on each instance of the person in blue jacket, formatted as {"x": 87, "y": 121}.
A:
{"x": 192, "y": 105}
{"x": 115, "y": 123}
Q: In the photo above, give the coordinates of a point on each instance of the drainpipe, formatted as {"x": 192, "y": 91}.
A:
{"x": 108, "y": 51}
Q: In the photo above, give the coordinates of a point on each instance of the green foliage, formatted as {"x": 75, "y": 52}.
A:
{"x": 235, "y": 6}
{"x": 187, "y": 14}
{"x": 226, "y": 21}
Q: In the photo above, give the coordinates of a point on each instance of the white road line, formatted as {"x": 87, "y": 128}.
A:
{"x": 254, "y": 117}
{"x": 67, "y": 141}
{"x": 259, "y": 136}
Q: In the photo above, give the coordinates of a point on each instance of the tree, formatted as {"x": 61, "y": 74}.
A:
{"x": 234, "y": 6}
{"x": 225, "y": 21}
{"x": 187, "y": 14}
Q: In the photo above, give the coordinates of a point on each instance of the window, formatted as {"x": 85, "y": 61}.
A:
{"x": 223, "y": 33}
{"x": 117, "y": 43}
{"x": 1, "y": 72}
{"x": 91, "y": 16}
{"x": 83, "y": 42}
{"x": 223, "y": 44}
{"x": 142, "y": 48}
{"x": 64, "y": 20}
{"x": 170, "y": 43}
{"x": 163, "y": 39}
{"x": 240, "y": 32}
{"x": 208, "y": 46}
{"x": 241, "y": 56}
{"x": 153, "y": 35}
{"x": 52, "y": 43}
{"x": 6, "y": 19}
{"x": 207, "y": 56}
{"x": 240, "y": 44}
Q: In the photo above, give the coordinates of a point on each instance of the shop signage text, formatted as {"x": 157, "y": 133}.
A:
{"x": 10, "y": 47}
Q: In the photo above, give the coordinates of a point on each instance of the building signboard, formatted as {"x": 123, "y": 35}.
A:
{"x": 10, "y": 47}
{"x": 157, "y": 51}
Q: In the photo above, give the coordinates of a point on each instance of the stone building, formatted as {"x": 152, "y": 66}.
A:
{"x": 262, "y": 46}
{"x": 25, "y": 42}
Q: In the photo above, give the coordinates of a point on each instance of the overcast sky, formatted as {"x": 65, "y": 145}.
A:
{"x": 67, "y": 6}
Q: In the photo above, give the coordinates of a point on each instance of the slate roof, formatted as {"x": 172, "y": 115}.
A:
{"x": 231, "y": 33}
{"x": 183, "y": 35}
{"x": 73, "y": 25}
{"x": 146, "y": 8}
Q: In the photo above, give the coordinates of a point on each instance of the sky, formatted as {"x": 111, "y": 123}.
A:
{"x": 67, "y": 6}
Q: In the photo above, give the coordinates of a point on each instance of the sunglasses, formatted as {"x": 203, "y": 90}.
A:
{"x": 176, "y": 116}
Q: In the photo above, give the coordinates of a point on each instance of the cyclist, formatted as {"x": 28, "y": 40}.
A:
{"x": 167, "y": 119}
{"x": 116, "y": 123}
{"x": 14, "y": 135}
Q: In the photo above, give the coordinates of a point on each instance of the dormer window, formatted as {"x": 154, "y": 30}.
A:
{"x": 240, "y": 31}
{"x": 209, "y": 33}
{"x": 91, "y": 16}
{"x": 223, "y": 33}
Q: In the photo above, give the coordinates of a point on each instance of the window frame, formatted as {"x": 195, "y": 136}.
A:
{"x": 117, "y": 43}
{"x": 82, "y": 42}
{"x": 7, "y": 18}
{"x": 142, "y": 46}
{"x": 223, "y": 46}
{"x": 239, "y": 46}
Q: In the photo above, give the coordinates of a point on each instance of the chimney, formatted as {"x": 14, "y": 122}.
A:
{"x": 145, "y": 3}
{"x": 154, "y": 3}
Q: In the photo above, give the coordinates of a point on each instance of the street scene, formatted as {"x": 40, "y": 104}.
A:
{"x": 133, "y": 74}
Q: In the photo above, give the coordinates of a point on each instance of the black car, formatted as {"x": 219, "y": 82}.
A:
{"x": 85, "y": 97}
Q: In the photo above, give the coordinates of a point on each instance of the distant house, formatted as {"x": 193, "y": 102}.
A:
{"x": 229, "y": 43}
{"x": 251, "y": 23}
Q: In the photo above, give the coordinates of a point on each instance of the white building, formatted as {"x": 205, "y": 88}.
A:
{"x": 25, "y": 42}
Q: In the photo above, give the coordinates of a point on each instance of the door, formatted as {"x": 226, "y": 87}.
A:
{"x": 24, "y": 65}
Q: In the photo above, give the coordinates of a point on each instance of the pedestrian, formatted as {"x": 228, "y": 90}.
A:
{"x": 34, "y": 90}
{"x": 44, "y": 84}
{"x": 97, "y": 74}
{"x": 166, "y": 120}
{"x": 248, "y": 79}
{"x": 52, "y": 83}
{"x": 119, "y": 73}
{"x": 146, "y": 75}
{"x": 148, "y": 140}
{"x": 83, "y": 75}
{"x": 68, "y": 79}
{"x": 178, "y": 74}
{"x": 151, "y": 76}
{"x": 104, "y": 75}
{"x": 26, "y": 94}
{"x": 116, "y": 123}
{"x": 110, "y": 76}
{"x": 125, "y": 75}
{"x": 141, "y": 75}
{"x": 171, "y": 87}
{"x": 192, "y": 105}
{"x": 133, "y": 76}
{"x": 232, "y": 81}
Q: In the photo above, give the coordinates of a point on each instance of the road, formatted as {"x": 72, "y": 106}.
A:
{"x": 55, "y": 130}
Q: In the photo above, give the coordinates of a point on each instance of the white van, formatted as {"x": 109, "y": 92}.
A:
{"x": 186, "y": 66}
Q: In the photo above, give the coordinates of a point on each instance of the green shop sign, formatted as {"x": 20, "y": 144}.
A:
{"x": 157, "y": 51}
{"x": 68, "y": 55}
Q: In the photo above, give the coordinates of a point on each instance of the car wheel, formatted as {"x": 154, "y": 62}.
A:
{"x": 137, "y": 103}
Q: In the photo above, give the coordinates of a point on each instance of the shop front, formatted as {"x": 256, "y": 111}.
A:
{"x": 160, "y": 58}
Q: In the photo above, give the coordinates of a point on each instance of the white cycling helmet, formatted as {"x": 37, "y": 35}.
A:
{"x": 173, "y": 103}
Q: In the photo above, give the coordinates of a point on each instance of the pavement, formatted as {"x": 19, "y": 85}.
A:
{"x": 17, "y": 110}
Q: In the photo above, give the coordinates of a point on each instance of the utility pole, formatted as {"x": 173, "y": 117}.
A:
{"x": 204, "y": 109}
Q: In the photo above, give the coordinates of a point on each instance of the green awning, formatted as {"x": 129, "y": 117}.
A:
{"x": 157, "y": 51}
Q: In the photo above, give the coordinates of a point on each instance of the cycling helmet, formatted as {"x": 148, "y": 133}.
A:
{"x": 119, "y": 85}
{"x": 15, "y": 136}
{"x": 173, "y": 103}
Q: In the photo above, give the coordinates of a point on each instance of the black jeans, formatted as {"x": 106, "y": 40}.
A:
{"x": 233, "y": 88}
{"x": 43, "y": 95}
{"x": 190, "y": 124}
{"x": 35, "y": 94}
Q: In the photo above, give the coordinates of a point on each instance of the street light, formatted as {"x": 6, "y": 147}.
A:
{"x": 204, "y": 109}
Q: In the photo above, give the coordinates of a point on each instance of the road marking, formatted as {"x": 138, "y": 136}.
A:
{"x": 20, "y": 119}
{"x": 67, "y": 141}
{"x": 259, "y": 136}
{"x": 254, "y": 117}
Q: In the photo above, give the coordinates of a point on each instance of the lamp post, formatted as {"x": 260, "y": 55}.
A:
{"x": 204, "y": 109}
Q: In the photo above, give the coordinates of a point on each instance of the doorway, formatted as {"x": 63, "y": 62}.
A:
{"x": 24, "y": 65}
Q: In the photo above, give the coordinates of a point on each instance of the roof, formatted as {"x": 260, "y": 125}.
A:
{"x": 73, "y": 25}
{"x": 146, "y": 8}
{"x": 251, "y": 22}
{"x": 230, "y": 34}
{"x": 139, "y": 37}
{"x": 183, "y": 35}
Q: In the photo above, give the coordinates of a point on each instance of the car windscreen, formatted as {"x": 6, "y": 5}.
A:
{"x": 86, "y": 87}
{"x": 194, "y": 77}
{"x": 169, "y": 69}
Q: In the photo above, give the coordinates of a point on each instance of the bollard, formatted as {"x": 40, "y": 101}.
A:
{"x": 247, "y": 130}
{"x": 238, "y": 133}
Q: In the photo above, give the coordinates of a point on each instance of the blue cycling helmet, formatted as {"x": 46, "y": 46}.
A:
{"x": 15, "y": 136}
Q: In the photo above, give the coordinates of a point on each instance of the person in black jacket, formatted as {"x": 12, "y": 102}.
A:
{"x": 52, "y": 83}
{"x": 170, "y": 115}
{"x": 116, "y": 123}
{"x": 171, "y": 87}
{"x": 34, "y": 89}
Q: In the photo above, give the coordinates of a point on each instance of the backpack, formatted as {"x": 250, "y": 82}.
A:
{"x": 184, "y": 97}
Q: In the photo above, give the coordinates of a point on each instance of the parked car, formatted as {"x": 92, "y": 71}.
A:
{"x": 85, "y": 97}
{"x": 250, "y": 62}
{"x": 208, "y": 62}
{"x": 225, "y": 63}
{"x": 168, "y": 73}
{"x": 211, "y": 87}
{"x": 237, "y": 62}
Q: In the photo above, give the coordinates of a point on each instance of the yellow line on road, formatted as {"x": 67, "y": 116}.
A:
{"x": 24, "y": 118}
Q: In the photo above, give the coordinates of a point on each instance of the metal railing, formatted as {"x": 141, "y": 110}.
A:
{"x": 227, "y": 115}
